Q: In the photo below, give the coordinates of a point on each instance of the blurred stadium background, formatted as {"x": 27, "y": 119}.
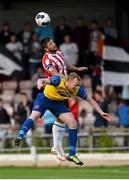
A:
{"x": 100, "y": 32}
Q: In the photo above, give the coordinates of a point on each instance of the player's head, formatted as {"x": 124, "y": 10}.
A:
{"x": 48, "y": 45}
{"x": 24, "y": 97}
{"x": 73, "y": 81}
{"x": 98, "y": 96}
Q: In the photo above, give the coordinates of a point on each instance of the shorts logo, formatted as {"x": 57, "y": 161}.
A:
{"x": 36, "y": 106}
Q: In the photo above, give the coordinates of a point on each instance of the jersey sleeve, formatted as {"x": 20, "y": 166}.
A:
{"x": 48, "y": 65}
{"x": 82, "y": 93}
{"x": 55, "y": 80}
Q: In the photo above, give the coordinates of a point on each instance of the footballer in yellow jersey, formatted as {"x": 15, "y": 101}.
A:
{"x": 56, "y": 90}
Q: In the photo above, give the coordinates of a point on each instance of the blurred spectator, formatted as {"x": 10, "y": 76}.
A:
{"x": 61, "y": 30}
{"x": 48, "y": 119}
{"x": 37, "y": 75}
{"x": 35, "y": 56}
{"x": 25, "y": 36}
{"x": 15, "y": 47}
{"x": 93, "y": 39}
{"x": 110, "y": 29}
{"x": 96, "y": 76}
{"x": 100, "y": 122}
{"x": 81, "y": 37}
{"x": 4, "y": 117}
{"x": 22, "y": 113}
{"x": 86, "y": 81}
{"x": 82, "y": 120}
{"x": 86, "y": 120}
{"x": 70, "y": 50}
{"x": 123, "y": 114}
{"x": 99, "y": 88}
{"x": 94, "y": 36}
{"x": 81, "y": 34}
{"x": 4, "y": 122}
{"x": 100, "y": 42}
{"x": 46, "y": 31}
{"x": 23, "y": 108}
{"x": 5, "y": 33}
{"x": 125, "y": 93}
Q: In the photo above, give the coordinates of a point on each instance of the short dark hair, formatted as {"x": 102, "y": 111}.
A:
{"x": 98, "y": 92}
{"x": 80, "y": 18}
{"x": 6, "y": 24}
{"x": 109, "y": 18}
{"x": 23, "y": 94}
{"x": 44, "y": 42}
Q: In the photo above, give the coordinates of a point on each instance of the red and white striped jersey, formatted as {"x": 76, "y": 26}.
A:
{"x": 54, "y": 60}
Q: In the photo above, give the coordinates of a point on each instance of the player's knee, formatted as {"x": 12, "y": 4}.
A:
{"x": 73, "y": 124}
{"x": 34, "y": 115}
{"x": 58, "y": 120}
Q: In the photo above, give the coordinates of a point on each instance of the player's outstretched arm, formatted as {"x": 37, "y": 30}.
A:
{"x": 95, "y": 105}
{"x": 74, "y": 68}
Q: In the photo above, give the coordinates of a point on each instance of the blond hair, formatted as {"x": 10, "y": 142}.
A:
{"x": 73, "y": 75}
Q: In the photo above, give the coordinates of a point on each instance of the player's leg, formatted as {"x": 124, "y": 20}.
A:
{"x": 58, "y": 133}
{"x": 60, "y": 110}
{"x": 26, "y": 126}
{"x": 58, "y": 130}
{"x": 68, "y": 119}
{"x": 37, "y": 111}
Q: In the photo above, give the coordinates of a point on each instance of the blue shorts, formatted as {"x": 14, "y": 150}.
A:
{"x": 42, "y": 103}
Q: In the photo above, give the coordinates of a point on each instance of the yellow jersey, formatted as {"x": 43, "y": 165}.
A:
{"x": 58, "y": 91}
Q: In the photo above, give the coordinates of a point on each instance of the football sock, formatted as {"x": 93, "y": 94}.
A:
{"x": 25, "y": 127}
{"x": 58, "y": 130}
{"x": 72, "y": 141}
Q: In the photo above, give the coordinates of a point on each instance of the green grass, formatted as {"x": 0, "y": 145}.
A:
{"x": 120, "y": 172}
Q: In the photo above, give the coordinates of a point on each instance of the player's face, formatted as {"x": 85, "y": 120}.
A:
{"x": 72, "y": 84}
{"x": 51, "y": 46}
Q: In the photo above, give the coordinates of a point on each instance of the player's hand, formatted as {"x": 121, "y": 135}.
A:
{"x": 40, "y": 83}
{"x": 82, "y": 68}
{"x": 18, "y": 141}
{"x": 106, "y": 116}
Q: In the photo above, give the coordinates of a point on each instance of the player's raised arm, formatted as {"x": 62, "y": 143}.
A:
{"x": 83, "y": 94}
{"x": 74, "y": 68}
{"x": 54, "y": 80}
{"x": 42, "y": 82}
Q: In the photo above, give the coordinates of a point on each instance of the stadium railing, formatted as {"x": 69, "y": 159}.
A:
{"x": 95, "y": 139}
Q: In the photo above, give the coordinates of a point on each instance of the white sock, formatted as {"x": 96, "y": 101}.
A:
{"x": 58, "y": 130}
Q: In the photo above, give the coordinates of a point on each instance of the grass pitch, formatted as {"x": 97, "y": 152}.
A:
{"x": 120, "y": 172}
